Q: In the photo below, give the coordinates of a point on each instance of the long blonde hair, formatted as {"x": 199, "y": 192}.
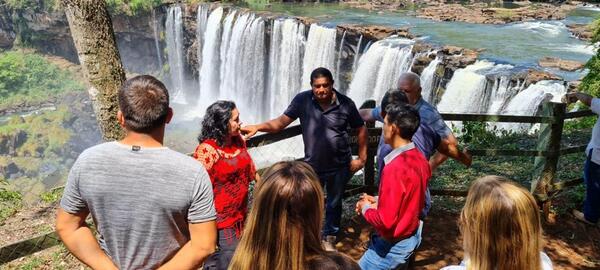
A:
{"x": 283, "y": 228}
{"x": 501, "y": 226}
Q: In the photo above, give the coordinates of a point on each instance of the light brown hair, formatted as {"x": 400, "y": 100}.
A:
{"x": 283, "y": 228}
{"x": 501, "y": 227}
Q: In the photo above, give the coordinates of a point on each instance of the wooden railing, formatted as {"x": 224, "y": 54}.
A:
{"x": 548, "y": 149}
{"x": 544, "y": 185}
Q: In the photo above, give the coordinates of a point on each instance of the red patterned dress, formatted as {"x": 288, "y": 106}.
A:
{"x": 231, "y": 170}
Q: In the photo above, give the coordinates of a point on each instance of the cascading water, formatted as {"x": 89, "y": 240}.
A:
{"x": 428, "y": 78}
{"x": 339, "y": 58}
{"x": 244, "y": 66}
{"x": 155, "y": 32}
{"x": 356, "y": 54}
{"x": 319, "y": 52}
{"x": 174, "y": 36}
{"x": 528, "y": 101}
{"x": 465, "y": 91}
{"x": 379, "y": 68}
{"x": 209, "y": 74}
{"x": 285, "y": 63}
{"x": 502, "y": 92}
{"x": 201, "y": 22}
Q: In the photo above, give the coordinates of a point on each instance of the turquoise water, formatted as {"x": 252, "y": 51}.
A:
{"x": 520, "y": 44}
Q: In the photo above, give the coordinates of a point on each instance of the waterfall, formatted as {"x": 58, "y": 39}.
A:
{"x": 339, "y": 58}
{"x": 319, "y": 51}
{"x": 209, "y": 73}
{"x": 227, "y": 27}
{"x": 155, "y": 32}
{"x": 174, "y": 36}
{"x": 285, "y": 64}
{"x": 379, "y": 69}
{"x": 528, "y": 101}
{"x": 465, "y": 93}
{"x": 356, "y": 54}
{"x": 428, "y": 79}
{"x": 243, "y": 69}
{"x": 201, "y": 22}
{"x": 502, "y": 92}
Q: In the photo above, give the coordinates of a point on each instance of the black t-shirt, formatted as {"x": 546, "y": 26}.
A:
{"x": 325, "y": 133}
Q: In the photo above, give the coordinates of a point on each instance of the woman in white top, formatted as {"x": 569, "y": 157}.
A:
{"x": 501, "y": 228}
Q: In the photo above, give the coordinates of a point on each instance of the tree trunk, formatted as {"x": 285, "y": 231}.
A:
{"x": 91, "y": 28}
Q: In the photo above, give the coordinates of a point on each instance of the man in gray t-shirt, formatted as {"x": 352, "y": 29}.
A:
{"x": 152, "y": 207}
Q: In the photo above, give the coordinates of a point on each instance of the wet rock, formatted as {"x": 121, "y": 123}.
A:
{"x": 555, "y": 62}
{"x": 480, "y": 13}
{"x": 580, "y": 31}
{"x": 457, "y": 57}
{"x": 374, "y": 32}
{"x": 534, "y": 76}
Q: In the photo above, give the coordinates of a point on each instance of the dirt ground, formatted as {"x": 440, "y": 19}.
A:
{"x": 569, "y": 243}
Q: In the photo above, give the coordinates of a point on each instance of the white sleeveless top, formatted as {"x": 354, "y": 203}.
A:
{"x": 546, "y": 264}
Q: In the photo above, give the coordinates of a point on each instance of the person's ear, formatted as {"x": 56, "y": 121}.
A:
{"x": 169, "y": 115}
{"x": 121, "y": 119}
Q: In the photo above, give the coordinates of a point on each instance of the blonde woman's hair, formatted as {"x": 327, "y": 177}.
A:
{"x": 284, "y": 226}
{"x": 501, "y": 227}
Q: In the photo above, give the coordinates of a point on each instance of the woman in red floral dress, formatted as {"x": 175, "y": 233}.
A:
{"x": 223, "y": 153}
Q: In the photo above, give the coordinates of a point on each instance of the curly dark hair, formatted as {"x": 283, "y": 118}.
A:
{"x": 215, "y": 124}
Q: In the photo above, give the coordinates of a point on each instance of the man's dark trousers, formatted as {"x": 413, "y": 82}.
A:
{"x": 334, "y": 183}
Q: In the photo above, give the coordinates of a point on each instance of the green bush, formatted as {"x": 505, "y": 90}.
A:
{"x": 591, "y": 82}
{"x": 10, "y": 202}
{"x": 30, "y": 78}
{"x": 132, "y": 7}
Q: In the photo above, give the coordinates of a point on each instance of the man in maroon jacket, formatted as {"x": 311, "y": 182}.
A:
{"x": 395, "y": 212}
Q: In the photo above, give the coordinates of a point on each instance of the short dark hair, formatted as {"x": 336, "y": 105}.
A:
{"x": 321, "y": 72}
{"x": 405, "y": 117}
{"x": 215, "y": 124}
{"x": 393, "y": 96}
{"x": 144, "y": 103}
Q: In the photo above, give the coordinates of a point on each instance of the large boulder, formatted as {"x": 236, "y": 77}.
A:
{"x": 374, "y": 32}
{"x": 481, "y": 13}
{"x": 580, "y": 31}
{"x": 555, "y": 62}
{"x": 534, "y": 76}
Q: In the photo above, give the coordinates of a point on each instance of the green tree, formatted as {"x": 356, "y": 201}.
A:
{"x": 591, "y": 82}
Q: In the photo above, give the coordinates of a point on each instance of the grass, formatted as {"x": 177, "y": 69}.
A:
{"x": 10, "y": 202}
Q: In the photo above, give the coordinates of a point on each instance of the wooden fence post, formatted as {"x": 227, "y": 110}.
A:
{"x": 545, "y": 166}
{"x": 369, "y": 170}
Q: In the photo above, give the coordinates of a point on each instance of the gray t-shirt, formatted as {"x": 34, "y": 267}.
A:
{"x": 141, "y": 201}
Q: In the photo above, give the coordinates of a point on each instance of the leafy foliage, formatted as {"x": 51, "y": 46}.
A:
{"x": 30, "y": 78}
{"x": 591, "y": 82}
{"x": 132, "y": 7}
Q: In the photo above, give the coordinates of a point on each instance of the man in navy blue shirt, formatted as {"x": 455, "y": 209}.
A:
{"x": 326, "y": 116}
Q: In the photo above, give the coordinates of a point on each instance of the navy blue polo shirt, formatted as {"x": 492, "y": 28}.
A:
{"x": 325, "y": 133}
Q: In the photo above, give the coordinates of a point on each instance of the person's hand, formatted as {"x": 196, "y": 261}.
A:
{"x": 467, "y": 158}
{"x": 369, "y": 198}
{"x": 359, "y": 205}
{"x": 248, "y": 131}
{"x": 356, "y": 165}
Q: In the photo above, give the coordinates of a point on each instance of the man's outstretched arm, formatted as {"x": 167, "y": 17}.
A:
{"x": 271, "y": 126}
{"x": 203, "y": 243}
{"x": 79, "y": 239}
